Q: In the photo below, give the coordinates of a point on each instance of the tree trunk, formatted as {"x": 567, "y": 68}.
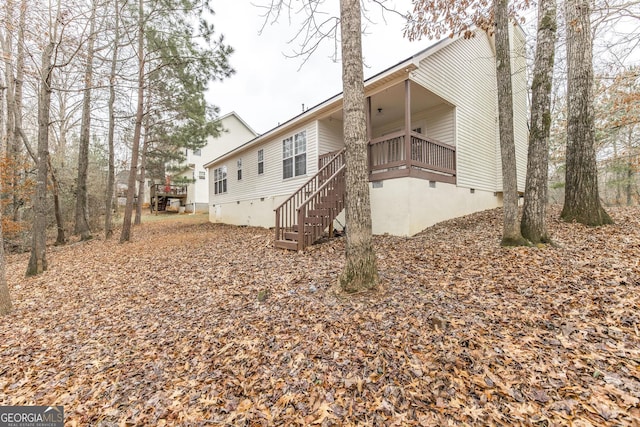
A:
{"x": 38, "y": 260}
{"x": 125, "y": 236}
{"x": 82, "y": 201}
{"x": 6, "y": 43}
{"x": 533, "y": 225}
{"x": 141, "y": 176}
{"x": 360, "y": 271}
{"x": 61, "y": 239}
{"x": 5, "y": 298}
{"x": 108, "y": 222}
{"x": 616, "y": 172}
{"x": 16, "y": 150}
{"x": 581, "y": 198}
{"x": 511, "y": 226}
{"x": 143, "y": 164}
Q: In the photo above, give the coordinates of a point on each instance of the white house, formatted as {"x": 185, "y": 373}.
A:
{"x": 433, "y": 149}
{"x": 235, "y": 132}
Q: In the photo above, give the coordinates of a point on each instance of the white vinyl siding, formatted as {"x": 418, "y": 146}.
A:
{"x": 260, "y": 161}
{"x": 463, "y": 73}
{"x": 270, "y": 183}
{"x": 441, "y": 124}
{"x": 330, "y": 136}
{"x": 436, "y": 122}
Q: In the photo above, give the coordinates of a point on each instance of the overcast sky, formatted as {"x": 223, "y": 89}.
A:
{"x": 269, "y": 88}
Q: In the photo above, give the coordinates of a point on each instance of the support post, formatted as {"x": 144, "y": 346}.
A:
{"x": 407, "y": 122}
{"x": 369, "y": 133}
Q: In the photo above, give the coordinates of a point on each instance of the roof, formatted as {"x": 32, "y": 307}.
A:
{"x": 380, "y": 79}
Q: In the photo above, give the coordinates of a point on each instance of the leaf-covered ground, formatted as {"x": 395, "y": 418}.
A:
{"x": 201, "y": 324}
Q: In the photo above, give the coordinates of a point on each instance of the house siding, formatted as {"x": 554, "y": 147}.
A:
{"x": 270, "y": 183}
{"x": 234, "y": 134}
{"x": 329, "y": 136}
{"x": 441, "y": 124}
{"x": 463, "y": 73}
{"x": 437, "y": 122}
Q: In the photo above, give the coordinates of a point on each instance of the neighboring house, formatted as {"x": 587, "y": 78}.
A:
{"x": 434, "y": 150}
{"x": 121, "y": 182}
{"x": 236, "y": 132}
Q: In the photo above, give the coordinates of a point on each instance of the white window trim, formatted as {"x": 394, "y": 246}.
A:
{"x": 294, "y": 154}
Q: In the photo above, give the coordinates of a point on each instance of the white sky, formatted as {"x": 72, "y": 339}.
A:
{"x": 269, "y": 88}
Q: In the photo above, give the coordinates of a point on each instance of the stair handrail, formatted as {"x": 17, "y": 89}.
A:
{"x": 325, "y": 184}
{"x": 301, "y": 211}
{"x": 310, "y": 179}
{"x": 280, "y": 211}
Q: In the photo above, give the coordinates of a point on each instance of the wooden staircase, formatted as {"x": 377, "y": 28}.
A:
{"x": 303, "y": 218}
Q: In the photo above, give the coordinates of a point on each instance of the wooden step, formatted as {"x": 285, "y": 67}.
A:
{"x": 286, "y": 244}
{"x": 331, "y": 198}
{"x": 319, "y": 212}
{"x": 313, "y": 220}
{"x": 293, "y": 235}
{"x": 308, "y": 227}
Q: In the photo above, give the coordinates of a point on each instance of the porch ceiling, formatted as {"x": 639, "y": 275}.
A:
{"x": 387, "y": 106}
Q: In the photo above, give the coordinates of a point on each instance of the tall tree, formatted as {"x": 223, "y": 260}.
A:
{"x": 82, "y": 200}
{"x": 533, "y": 224}
{"x": 582, "y": 201}
{"x": 14, "y": 72}
{"x": 5, "y": 297}
{"x": 360, "y": 271}
{"x": 182, "y": 60}
{"x": 510, "y": 225}
{"x": 108, "y": 222}
{"x": 437, "y": 18}
{"x": 38, "y": 260}
{"x": 125, "y": 234}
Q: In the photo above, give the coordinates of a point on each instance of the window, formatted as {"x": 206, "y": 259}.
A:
{"x": 201, "y": 175}
{"x": 197, "y": 152}
{"x": 294, "y": 155}
{"x": 260, "y": 162}
{"x": 239, "y": 169}
{"x": 220, "y": 180}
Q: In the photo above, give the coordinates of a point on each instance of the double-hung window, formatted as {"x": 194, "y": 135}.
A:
{"x": 294, "y": 155}
{"x": 260, "y": 161}
{"x": 240, "y": 169}
{"x": 220, "y": 180}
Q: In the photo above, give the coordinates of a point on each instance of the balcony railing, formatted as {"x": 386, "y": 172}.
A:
{"x": 168, "y": 190}
{"x": 429, "y": 158}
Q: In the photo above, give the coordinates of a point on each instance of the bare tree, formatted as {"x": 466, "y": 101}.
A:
{"x": 125, "y": 235}
{"x": 437, "y": 18}
{"x": 108, "y": 222}
{"x": 510, "y": 225}
{"x": 582, "y": 201}
{"x": 360, "y": 271}
{"x": 82, "y": 208}
{"x": 38, "y": 260}
{"x": 533, "y": 224}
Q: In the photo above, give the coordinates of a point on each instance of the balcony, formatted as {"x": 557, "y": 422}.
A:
{"x": 429, "y": 159}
